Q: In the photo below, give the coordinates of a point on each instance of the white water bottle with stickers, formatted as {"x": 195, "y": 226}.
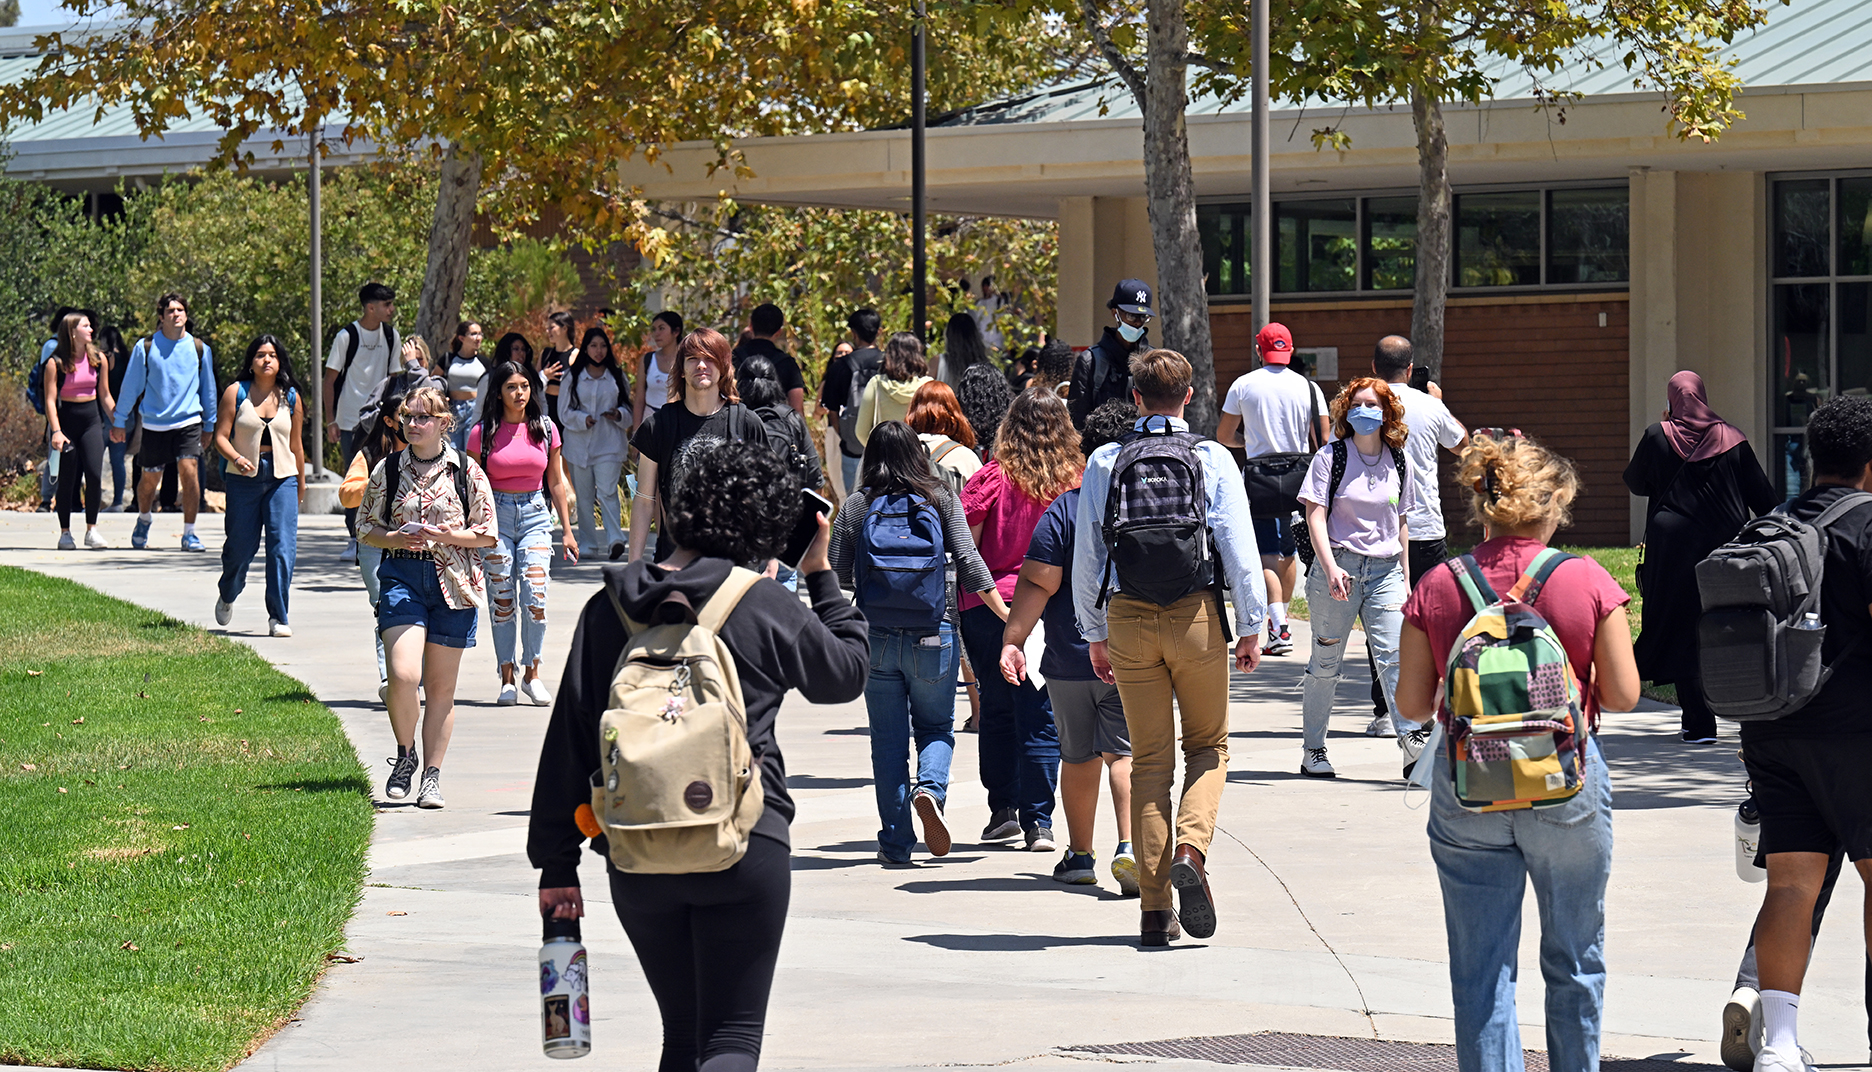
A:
{"x": 565, "y": 1011}
{"x": 1747, "y": 842}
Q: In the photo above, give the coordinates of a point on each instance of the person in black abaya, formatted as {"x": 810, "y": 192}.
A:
{"x": 1704, "y": 484}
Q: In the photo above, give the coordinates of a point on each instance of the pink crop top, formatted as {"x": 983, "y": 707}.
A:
{"x": 81, "y": 382}
{"x": 517, "y": 463}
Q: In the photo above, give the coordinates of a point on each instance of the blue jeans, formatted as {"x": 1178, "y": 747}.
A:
{"x": 910, "y": 693}
{"x": 465, "y": 411}
{"x": 118, "y": 487}
{"x": 1018, "y": 741}
{"x": 523, "y": 547}
{"x": 1378, "y": 591}
{"x": 1484, "y": 861}
{"x": 368, "y": 558}
{"x": 848, "y": 466}
{"x": 253, "y": 502}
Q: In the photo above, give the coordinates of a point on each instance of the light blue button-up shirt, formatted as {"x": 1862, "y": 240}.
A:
{"x": 1228, "y": 520}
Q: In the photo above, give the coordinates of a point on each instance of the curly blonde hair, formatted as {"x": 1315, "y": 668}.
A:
{"x": 1038, "y": 447}
{"x": 1515, "y": 483}
{"x": 1394, "y": 431}
{"x": 434, "y": 403}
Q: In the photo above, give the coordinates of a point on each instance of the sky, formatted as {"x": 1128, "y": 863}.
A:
{"x": 42, "y": 13}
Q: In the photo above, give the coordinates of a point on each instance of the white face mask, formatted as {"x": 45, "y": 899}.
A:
{"x": 1129, "y": 333}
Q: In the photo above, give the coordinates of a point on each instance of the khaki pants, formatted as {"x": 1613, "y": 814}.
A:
{"x": 1159, "y": 654}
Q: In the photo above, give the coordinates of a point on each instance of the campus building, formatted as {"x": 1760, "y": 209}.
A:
{"x": 1594, "y": 253}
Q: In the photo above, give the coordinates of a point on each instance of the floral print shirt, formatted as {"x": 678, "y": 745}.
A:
{"x": 430, "y": 499}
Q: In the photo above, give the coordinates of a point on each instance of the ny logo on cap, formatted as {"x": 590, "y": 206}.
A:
{"x": 1143, "y": 296}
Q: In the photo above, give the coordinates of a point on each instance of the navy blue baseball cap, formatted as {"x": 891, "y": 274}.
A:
{"x": 1132, "y": 296}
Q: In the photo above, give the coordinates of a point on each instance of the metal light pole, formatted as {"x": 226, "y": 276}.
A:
{"x": 1261, "y": 220}
{"x": 315, "y": 367}
{"x": 919, "y": 259}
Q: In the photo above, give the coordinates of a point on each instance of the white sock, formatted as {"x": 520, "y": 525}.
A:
{"x": 188, "y": 528}
{"x": 1277, "y": 612}
{"x": 1780, "y": 1011}
{"x": 144, "y": 516}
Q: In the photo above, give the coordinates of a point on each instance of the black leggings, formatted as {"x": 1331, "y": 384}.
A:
{"x": 84, "y": 426}
{"x": 708, "y": 943}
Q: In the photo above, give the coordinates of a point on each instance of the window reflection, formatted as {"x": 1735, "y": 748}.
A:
{"x": 1800, "y": 241}
{"x": 1800, "y": 353}
{"x": 1855, "y": 226}
{"x": 1390, "y": 243}
{"x": 1316, "y": 245}
{"x": 1588, "y": 236}
{"x": 1498, "y": 239}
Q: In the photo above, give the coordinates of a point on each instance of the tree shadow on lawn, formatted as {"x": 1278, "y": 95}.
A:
{"x": 322, "y": 785}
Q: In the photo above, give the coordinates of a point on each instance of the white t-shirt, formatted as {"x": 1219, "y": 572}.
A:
{"x": 1274, "y": 403}
{"x": 368, "y": 368}
{"x": 1431, "y": 426}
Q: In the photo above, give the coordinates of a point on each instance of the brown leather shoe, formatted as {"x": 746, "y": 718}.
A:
{"x": 1195, "y": 908}
{"x": 1159, "y": 927}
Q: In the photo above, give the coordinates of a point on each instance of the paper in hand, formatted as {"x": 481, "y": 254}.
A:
{"x": 1035, "y": 646}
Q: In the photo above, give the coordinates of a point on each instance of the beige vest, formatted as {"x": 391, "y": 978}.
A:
{"x": 246, "y": 436}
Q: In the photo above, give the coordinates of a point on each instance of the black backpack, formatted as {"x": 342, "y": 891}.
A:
{"x": 352, "y": 338}
{"x": 1157, "y": 535}
{"x": 788, "y": 437}
{"x": 848, "y": 417}
{"x": 393, "y": 464}
{"x": 1757, "y": 646}
{"x": 1303, "y": 536}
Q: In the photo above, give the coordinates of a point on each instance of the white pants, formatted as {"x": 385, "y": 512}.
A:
{"x": 596, "y": 486}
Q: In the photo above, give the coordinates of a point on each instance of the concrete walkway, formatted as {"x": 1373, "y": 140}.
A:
{"x": 1331, "y": 921}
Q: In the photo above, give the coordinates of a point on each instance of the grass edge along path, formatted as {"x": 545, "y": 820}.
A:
{"x": 182, "y": 836}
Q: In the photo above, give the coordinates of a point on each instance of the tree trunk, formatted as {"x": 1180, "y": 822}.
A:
{"x": 447, "y": 274}
{"x": 1433, "y": 234}
{"x": 1182, "y": 301}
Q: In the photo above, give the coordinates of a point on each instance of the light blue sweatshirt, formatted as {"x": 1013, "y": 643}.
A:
{"x": 176, "y": 384}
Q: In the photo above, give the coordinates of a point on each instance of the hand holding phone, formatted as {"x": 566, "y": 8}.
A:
{"x": 806, "y": 528}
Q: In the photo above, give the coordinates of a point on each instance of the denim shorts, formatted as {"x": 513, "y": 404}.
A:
{"x": 410, "y": 593}
{"x": 1275, "y": 535}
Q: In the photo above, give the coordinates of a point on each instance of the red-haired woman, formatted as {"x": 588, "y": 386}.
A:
{"x": 704, "y": 410}
{"x": 945, "y": 434}
{"x": 1356, "y": 496}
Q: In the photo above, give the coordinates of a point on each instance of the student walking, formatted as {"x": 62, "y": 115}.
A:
{"x": 706, "y": 941}
{"x": 1485, "y": 859}
{"x": 518, "y": 448}
{"x": 363, "y": 353}
{"x": 431, "y": 585}
{"x": 117, "y": 356}
{"x": 1036, "y": 461}
{"x": 659, "y": 365}
{"x": 465, "y": 369}
{"x": 77, "y": 379}
{"x": 963, "y": 349}
{"x": 597, "y": 439}
{"x": 1357, "y": 498}
{"x": 1277, "y": 416}
{"x": 945, "y": 434}
{"x": 383, "y": 437}
{"x": 1702, "y": 483}
{"x": 260, "y": 434}
{"x": 887, "y": 395}
{"x": 171, "y": 388}
{"x": 1150, "y": 608}
{"x": 764, "y": 325}
{"x": 1103, "y": 372}
{"x": 705, "y": 411}
{"x": 898, "y": 535}
{"x": 559, "y": 357}
{"x": 1088, "y": 712}
{"x": 842, "y": 394}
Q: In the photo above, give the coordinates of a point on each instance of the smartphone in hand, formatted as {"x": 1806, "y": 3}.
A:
{"x": 812, "y": 506}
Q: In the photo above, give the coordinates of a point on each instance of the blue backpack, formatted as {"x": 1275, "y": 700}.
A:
{"x": 901, "y": 564}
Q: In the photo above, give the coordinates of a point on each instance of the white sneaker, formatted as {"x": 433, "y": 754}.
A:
{"x": 430, "y": 795}
{"x": 383, "y": 692}
{"x": 224, "y": 612}
{"x": 535, "y": 691}
{"x": 1742, "y": 1029}
{"x": 1776, "y": 1060}
{"x": 1313, "y": 764}
{"x": 95, "y": 541}
{"x": 275, "y": 627}
{"x": 66, "y": 543}
{"x": 1411, "y": 742}
{"x": 509, "y": 695}
{"x": 1381, "y": 726}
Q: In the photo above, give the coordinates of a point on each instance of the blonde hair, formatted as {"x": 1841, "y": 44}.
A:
{"x": 1038, "y": 447}
{"x": 421, "y": 346}
{"x": 1515, "y": 483}
{"x": 1394, "y": 431}
{"x": 435, "y": 403}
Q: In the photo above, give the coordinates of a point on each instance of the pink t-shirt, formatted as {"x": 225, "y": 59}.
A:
{"x": 1007, "y": 517}
{"x": 1574, "y": 600}
{"x": 517, "y": 463}
{"x": 82, "y": 380}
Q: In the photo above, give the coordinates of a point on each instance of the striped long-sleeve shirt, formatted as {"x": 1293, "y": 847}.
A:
{"x": 967, "y": 570}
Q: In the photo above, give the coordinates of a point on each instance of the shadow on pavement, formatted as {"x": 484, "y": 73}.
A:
{"x": 1022, "y": 943}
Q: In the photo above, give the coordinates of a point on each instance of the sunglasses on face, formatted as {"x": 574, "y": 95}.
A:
{"x": 419, "y": 418}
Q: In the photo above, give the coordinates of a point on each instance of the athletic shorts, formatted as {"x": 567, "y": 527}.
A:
{"x": 1275, "y": 535}
{"x": 410, "y": 593}
{"x": 1090, "y": 718}
{"x": 1813, "y": 794}
{"x": 159, "y": 449}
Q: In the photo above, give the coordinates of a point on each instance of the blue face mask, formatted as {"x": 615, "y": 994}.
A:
{"x": 1129, "y": 332}
{"x": 1365, "y": 419}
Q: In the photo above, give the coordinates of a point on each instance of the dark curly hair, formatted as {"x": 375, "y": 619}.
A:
{"x": 736, "y": 501}
{"x": 1107, "y": 424}
{"x": 1055, "y": 365}
{"x": 1839, "y": 437}
{"x": 985, "y": 397}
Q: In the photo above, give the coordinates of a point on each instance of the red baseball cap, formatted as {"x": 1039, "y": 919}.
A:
{"x": 1276, "y": 344}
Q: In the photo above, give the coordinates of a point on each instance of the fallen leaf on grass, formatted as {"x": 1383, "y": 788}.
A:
{"x": 62, "y": 789}
{"x": 342, "y": 958}
{"x": 4, "y": 946}
{"x": 184, "y": 826}
{"x": 88, "y": 781}
{"x": 396, "y": 912}
{"x": 204, "y": 718}
{"x": 130, "y": 947}
{"x": 237, "y": 710}
{"x": 29, "y": 766}
{"x": 35, "y": 673}
{"x": 77, "y": 721}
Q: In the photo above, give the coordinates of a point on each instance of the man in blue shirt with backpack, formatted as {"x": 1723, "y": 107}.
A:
{"x": 171, "y": 387}
{"x": 1163, "y": 527}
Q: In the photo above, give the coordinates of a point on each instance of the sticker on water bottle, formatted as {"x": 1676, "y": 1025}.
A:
{"x": 558, "y": 1011}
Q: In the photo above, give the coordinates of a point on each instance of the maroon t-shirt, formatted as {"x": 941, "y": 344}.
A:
{"x": 1575, "y": 599}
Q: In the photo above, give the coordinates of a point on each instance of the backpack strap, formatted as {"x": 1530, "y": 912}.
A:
{"x": 1339, "y": 457}
{"x": 393, "y": 462}
{"x": 1469, "y": 579}
{"x": 1528, "y": 588}
{"x": 714, "y": 613}
{"x": 1841, "y": 507}
{"x": 945, "y": 451}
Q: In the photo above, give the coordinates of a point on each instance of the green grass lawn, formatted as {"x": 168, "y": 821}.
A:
{"x": 183, "y": 841}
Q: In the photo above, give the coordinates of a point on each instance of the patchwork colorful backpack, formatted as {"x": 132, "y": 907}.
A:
{"x": 1515, "y": 724}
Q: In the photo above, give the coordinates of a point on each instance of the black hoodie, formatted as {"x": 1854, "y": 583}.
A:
{"x": 777, "y": 644}
{"x": 1111, "y": 356}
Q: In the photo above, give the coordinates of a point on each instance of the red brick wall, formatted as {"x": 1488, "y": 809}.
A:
{"x": 1539, "y": 363}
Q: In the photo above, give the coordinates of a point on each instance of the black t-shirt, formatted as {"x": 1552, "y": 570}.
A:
{"x": 1841, "y": 709}
{"x": 783, "y": 363}
{"x": 836, "y": 394}
{"x": 669, "y": 435}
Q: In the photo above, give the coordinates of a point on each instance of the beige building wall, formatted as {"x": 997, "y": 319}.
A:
{"x": 1101, "y": 240}
{"x": 1699, "y": 248}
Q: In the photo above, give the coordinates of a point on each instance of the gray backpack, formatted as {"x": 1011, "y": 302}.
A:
{"x": 1759, "y": 637}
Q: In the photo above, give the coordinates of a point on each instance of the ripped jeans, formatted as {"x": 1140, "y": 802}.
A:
{"x": 1378, "y": 591}
{"x": 523, "y": 549}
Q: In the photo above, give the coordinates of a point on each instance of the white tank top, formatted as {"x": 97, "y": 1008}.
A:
{"x": 656, "y": 383}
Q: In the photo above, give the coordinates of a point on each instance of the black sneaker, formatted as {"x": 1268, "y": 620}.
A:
{"x": 1003, "y": 825}
{"x": 1076, "y": 869}
{"x": 402, "y": 770}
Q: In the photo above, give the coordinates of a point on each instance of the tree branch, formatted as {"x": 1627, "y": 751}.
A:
{"x": 1132, "y": 79}
{"x": 1197, "y": 59}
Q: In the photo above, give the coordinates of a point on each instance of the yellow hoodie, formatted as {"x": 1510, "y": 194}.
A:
{"x": 885, "y": 400}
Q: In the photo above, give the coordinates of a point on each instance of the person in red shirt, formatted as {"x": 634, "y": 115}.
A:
{"x": 1484, "y": 860}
